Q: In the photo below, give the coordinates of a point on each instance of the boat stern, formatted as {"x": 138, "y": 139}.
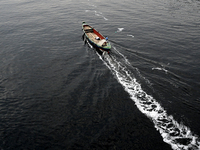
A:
{"x": 108, "y": 46}
{"x": 104, "y": 44}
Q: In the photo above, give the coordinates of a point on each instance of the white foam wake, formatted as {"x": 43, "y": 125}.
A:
{"x": 177, "y": 135}
{"x": 100, "y": 14}
{"x": 130, "y": 35}
{"x": 161, "y": 69}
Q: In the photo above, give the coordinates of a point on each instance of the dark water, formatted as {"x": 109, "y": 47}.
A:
{"x": 56, "y": 92}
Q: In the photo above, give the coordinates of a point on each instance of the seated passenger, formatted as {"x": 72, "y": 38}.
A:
{"x": 97, "y": 38}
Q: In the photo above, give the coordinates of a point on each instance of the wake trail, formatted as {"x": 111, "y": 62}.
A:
{"x": 177, "y": 135}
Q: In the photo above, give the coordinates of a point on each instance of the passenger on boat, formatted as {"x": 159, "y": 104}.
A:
{"x": 97, "y": 38}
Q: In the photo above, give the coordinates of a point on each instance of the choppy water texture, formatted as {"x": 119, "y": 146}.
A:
{"x": 58, "y": 92}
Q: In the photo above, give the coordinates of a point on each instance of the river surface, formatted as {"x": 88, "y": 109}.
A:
{"x": 58, "y": 92}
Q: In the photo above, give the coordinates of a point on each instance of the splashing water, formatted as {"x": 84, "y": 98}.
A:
{"x": 119, "y": 30}
{"x": 177, "y": 135}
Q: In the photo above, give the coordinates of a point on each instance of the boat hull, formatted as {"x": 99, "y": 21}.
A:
{"x": 92, "y": 35}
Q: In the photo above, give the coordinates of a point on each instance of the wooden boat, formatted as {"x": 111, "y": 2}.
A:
{"x": 96, "y": 38}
